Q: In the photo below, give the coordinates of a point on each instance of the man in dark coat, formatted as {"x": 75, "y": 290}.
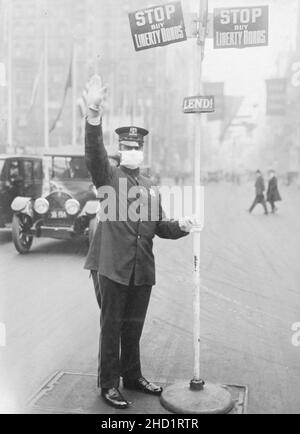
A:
{"x": 120, "y": 254}
{"x": 259, "y": 193}
{"x": 273, "y": 194}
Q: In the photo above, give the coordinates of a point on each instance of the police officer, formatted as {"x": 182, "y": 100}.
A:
{"x": 121, "y": 252}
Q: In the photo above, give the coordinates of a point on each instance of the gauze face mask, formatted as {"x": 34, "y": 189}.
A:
{"x": 132, "y": 159}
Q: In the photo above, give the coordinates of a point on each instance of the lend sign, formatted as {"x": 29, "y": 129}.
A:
{"x": 199, "y": 104}
{"x": 241, "y": 27}
{"x": 157, "y": 26}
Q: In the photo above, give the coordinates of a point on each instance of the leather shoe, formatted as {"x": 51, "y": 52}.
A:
{"x": 142, "y": 385}
{"x": 114, "y": 398}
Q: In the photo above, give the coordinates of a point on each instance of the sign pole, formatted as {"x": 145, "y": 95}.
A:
{"x": 197, "y": 397}
{"x": 197, "y": 182}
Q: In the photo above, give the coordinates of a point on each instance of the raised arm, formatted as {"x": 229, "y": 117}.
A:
{"x": 96, "y": 156}
{"x": 95, "y": 153}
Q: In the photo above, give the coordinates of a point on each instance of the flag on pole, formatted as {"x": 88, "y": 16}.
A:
{"x": 232, "y": 105}
{"x": 82, "y": 101}
{"x": 68, "y": 86}
{"x": 36, "y": 85}
{"x": 276, "y": 96}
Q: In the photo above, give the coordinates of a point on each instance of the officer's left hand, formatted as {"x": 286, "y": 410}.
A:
{"x": 188, "y": 223}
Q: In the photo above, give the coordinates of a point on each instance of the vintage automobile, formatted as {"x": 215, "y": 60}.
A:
{"x": 66, "y": 209}
{"x": 20, "y": 175}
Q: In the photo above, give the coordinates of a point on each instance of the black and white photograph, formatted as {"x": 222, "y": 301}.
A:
{"x": 149, "y": 210}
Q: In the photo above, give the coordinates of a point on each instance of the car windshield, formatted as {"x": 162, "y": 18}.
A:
{"x": 65, "y": 168}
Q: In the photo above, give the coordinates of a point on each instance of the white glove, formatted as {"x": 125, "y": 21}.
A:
{"x": 188, "y": 223}
{"x": 97, "y": 97}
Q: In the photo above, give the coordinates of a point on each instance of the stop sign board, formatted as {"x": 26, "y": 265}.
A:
{"x": 241, "y": 27}
{"x": 199, "y": 104}
{"x": 157, "y": 26}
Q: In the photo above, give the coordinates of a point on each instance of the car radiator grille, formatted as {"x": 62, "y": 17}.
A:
{"x": 59, "y": 223}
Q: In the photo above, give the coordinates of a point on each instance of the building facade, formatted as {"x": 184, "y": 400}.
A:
{"x": 142, "y": 85}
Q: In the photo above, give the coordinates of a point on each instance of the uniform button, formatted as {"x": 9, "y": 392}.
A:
{"x": 139, "y": 237}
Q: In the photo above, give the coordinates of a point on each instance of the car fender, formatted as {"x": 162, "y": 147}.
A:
{"x": 22, "y": 204}
{"x": 91, "y": 208}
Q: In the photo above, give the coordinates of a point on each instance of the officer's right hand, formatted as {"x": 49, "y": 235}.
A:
{"x": 187, "y": 224}
{"x": 97, "y": 97}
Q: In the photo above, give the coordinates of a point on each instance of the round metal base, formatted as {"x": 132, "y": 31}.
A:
{"x": 212, "y": 399}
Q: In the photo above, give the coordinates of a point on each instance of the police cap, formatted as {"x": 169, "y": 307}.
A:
{"x": 132, "y": 134}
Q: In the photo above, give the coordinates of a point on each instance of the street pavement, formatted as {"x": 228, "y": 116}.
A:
{"x": 250, "y": 299}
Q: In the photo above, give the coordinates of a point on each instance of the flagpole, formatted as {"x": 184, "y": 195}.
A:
{"x": 9, "y": 76}
{"x": 74, "y": 93}
{"x": 46, "y": 77}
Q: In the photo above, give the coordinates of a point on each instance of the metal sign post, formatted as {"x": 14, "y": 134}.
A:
{"x": 197, "y": 383}
{"x": 198, "y": 397}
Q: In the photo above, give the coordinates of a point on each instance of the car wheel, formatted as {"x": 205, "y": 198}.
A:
{"x": 92, "y": 229}
{"x": 21, "y": 239}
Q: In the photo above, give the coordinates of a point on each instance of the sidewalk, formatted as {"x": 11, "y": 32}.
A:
{"x": 70, "y": 393}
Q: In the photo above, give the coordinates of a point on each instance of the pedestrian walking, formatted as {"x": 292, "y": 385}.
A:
{"x": 259, "y": 193}
{"x": 273, "y": 194}
{"x": 121, "y": 254}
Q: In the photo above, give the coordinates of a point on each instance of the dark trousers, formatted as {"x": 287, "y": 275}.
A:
{"x": 259, "y": 199}
{"x": 96, "y": 281}
{"x": 273, "y": 207}
{"x": 123, "y": 313}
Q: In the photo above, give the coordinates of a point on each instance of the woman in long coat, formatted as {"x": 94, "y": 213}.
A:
{"x": 273, "y": 194}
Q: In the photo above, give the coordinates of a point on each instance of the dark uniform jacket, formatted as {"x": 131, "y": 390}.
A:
{"x": 121, "y": 248}
{"x": 273, "y": 194}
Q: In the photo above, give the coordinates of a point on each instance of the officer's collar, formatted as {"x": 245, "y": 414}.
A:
{"x": 133, "y": 172}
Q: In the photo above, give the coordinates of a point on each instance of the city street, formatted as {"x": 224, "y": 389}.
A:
{"x": 250, "y": 300}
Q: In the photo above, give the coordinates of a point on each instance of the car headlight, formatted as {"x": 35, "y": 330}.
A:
{"x": 41, "y": 206}
{"x": 72, "y": 207}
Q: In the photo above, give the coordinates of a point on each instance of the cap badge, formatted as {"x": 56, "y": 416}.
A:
{"x": 133, "y": 131}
